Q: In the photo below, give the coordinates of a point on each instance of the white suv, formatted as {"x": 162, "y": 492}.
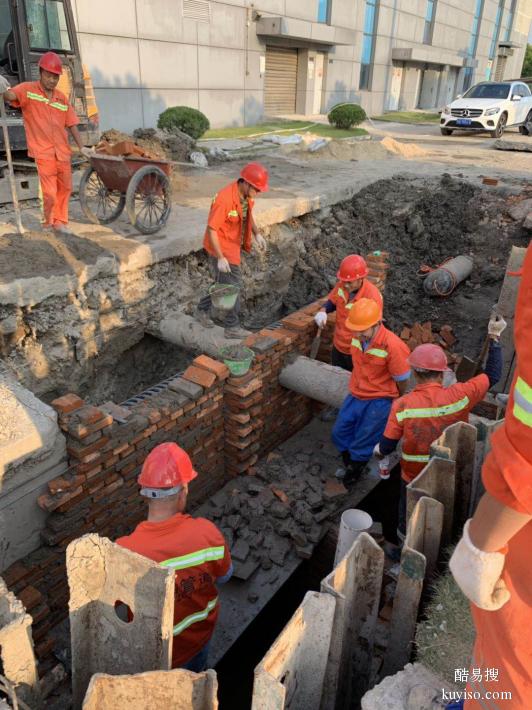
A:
{"x": 489, "y": 106}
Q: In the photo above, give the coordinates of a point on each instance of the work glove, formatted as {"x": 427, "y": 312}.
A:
{"x": 478, "y": 574}
{"x": 496, "y": 326}
{"x": 320, "y": 319}
{"x": 4, "y": 84}
{"x": 260, "y": 242}
{"x": 224, "y": 266}
{"x": 87, "y": 152}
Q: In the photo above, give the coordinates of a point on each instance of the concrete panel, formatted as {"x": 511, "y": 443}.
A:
{"x": 291, "y": 675}
{"x": 436, "y": 480}
{"x": 274, "y": 7}
{"x": 117, "y": 18}
{"x": 224, "y": 108}
{"x": 101, "y": 576}
{"x": 221, "y": 68}
{"x": 227, "y": 27}
{"x": 253, "y": 107}
{"x": 254, "y": 80}
{"x": 177, "y": 689}
{"x": 163, "y": 20}
{"x": 155, "y": 101}
{"x": 167, "y": 65}
{"x": 303, "y": 10}
{"x": 16, "y": 648}
{"x": 341, "y": 79}
{"x": 112, "y": 61}
{"x": 342, "y": 14}
{"x": 120, "y": 108}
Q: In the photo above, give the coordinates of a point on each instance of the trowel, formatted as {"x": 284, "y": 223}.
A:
{"x": 467, "y": 367}
{"x": 315, "y": 345}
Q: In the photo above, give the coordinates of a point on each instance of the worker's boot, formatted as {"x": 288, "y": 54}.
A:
{"x": 346, "y": 460}
{"x": 353, "y": 473}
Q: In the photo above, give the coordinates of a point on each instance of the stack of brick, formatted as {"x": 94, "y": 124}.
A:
{"x": 420, "y": 333}
{"x": 378, "y": 266}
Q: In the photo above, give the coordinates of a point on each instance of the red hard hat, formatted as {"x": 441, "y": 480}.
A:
{"x": 51, "y": 62}
{"x": 257, "y": 176}
{"x": 429, "y": 357}
{"x": 353, "y": 267}
{"x": 166, "y": 468}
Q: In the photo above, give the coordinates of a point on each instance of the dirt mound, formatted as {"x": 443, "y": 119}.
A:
{"x": 405, "y": 150}
{"x": 338, "y": 150}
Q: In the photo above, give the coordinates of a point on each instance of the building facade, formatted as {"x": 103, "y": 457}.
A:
{"x": 240, "y": 61}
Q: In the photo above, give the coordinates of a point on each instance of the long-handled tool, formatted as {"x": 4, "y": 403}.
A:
{"x": 10, "y": 170}
{"x": 315, "y": 345}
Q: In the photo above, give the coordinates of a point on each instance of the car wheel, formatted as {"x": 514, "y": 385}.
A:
{"x": 501, "y": 125}
{"x": 446, "y": 132}
{"x": 525, "y": 129}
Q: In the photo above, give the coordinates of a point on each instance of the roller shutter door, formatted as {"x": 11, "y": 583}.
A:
{"x": 280, "y": 81}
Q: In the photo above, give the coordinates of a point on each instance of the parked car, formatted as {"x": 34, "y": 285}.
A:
{"x": 489, "y": 106}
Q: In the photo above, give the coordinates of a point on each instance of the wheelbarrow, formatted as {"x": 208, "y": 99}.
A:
{"x": 141, "y": 185}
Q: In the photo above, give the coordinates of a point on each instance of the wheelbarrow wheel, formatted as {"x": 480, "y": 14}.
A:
{"x": 99, "y": 204}
{"x": 148, "y": 199}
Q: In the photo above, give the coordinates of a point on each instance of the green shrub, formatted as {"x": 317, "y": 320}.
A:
{"x": 346, "y": 115}
{"x": 189, "y": 120}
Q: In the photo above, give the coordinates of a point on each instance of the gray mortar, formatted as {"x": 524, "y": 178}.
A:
{"x": 88, "y": 341}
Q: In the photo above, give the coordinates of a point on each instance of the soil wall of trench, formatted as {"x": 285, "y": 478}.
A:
{"x": 93, "y": 342}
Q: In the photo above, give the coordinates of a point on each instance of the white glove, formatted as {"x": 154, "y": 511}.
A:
{"x": 87, "y": 152}
{"x": 478, "y": 574}
{"x": 497, "y": 326}
{"x": 224, "y": 266}
{"x": 4, "y": 84}
{"x": 260, "y": 242}
{"x": 320, "y": 319}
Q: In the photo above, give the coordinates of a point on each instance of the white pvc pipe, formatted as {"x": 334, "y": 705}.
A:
{"x": 353, "y": 523}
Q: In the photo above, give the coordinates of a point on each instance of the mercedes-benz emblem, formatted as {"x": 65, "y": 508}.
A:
{"x": 466, "y": 112}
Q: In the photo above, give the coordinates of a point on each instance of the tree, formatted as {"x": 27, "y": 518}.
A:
{"x": 527, "y": 65}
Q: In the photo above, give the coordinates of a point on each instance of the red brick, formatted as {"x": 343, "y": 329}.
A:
{"x": 334, "y": 489}
{"x": 405, "y": 334}
{"x": 199, "y": 376}
{"x": 218, "y": 368}
{"x": 81, "y": 430}
{"x": 64, "y": 483}
{"x": 244, "y": 390}
{"x": 280, "y": 494}
{"x": 68, "y": 403}
{"x": 239, "y": 417}
{"x": 45, "y": 647}
{"x": 90, "y": 414}
{"x": 81, "y": 452}
{"x": 15, "y": 573}
{"x": 30, "y": 597}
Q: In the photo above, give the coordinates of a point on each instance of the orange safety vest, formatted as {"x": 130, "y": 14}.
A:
{"x": 503, "y": 641}
{"x": 419, "y": 417}
{"x": 227, "y": 220}
{"x": 375, "y": 368}
{"x": 340, "y": 297}
{"x": 197, "y": 551}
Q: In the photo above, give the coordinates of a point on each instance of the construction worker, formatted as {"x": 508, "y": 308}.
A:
{"x": 380, "y": 374}
{"x": 47, "y": 114}
{"x": 193, "y": 547}
{"x": 420, "y": 417}
{"x": 230, "y": 227}
{"x": 351, "y": 287}
{"x": 491, "y": 563}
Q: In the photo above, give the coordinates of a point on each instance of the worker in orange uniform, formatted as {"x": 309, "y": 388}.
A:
{"x": 193, "y": 547}
{"x": 491, "y": 563}
{"x": 380, "y": 374}
{"x": 420, "y": 417}
{"x": 230, "y": 227}
{"x": 47, "y": 114}
{"x": 351, "y": 287}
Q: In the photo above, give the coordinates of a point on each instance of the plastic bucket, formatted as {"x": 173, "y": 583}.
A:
{"x": 223, "y": 296}
{"x": 353, "y": 523}
{"x": 237, "y": 367}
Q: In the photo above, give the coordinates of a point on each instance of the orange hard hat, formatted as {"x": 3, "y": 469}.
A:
{"x": 51, "y": 62}
{"x": 257, "y": 176}
{"x": 364, "y": 313}
{"x": 166, "y": 470}
{"x": 429, "y": 357}
{"x": 353, "y": 267}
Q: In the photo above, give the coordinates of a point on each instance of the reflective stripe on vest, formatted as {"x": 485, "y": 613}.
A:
{"x": 232, "y": 213}
{"x": 341, "y": 293}
{"x": 356, "y": 343}
{"x": 417, "y": 458}
{"x": 44, "y": 100}
{"x": 429, "y": 412}
{"x": 193, "y": 559}
{"x": 194, "y": 618}
{"x": 377, "y": 352}
{"x": 523, "y": 402}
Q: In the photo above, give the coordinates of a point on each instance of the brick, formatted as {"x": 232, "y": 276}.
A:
{"x": 405, "y": 334}
{"x": 218, "y": 368}
{"x": 84, "y": 430}
{"x": 280, "y": 494}
{"x": 446, "y": 332}
{"x": 14, "y": 574}
{"x": 65, "y": 483}
{"x": 45, "y": 647}
{"x": 68, "y": 403}
{"x": 260, "y": 344}
{"x": 81, "y": 452}
{"x": 186, "y": 387}
{"x": 240, "y": 417}
{"x": 119, "y": 414}
{"x": 199, "y": 376}
{"x": 90, "y": 415}
{"x": 244, "y": 390}
{"x": 333, "y": 489}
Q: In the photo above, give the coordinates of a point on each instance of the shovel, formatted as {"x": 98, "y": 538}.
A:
{"x": 315, "y": 345}
{"x": 12, "y": 184}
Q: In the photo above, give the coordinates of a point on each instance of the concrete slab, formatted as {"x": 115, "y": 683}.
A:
{"x": 102, "y": 578}
{"x": 177, "y": 689}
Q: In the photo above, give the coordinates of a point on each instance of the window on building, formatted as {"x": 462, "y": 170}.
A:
{"x": 510, "y": 21}
{"x": 368, "y": 43}
{"x": 496, "y": 29}
{"x": 324, "y": 9}
{"x": 430, "y": 16}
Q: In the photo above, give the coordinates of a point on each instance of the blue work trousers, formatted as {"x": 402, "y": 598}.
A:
{"x": 198, "y": 663}
{"x": 360, "y": 425}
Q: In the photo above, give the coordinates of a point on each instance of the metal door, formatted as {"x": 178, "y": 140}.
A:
{"x": 280, "y": 81}
{"x": 428, "y": 97}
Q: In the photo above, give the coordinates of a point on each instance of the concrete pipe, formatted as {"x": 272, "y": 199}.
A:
{"x": 317, "y": 380}
{"x": 444, "y": 280}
